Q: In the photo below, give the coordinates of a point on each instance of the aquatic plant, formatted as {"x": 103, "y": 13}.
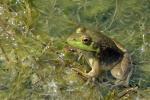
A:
{"x": 33, "y": 62}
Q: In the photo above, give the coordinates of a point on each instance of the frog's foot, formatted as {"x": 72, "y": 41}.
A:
{"x": 85, "y": 76}
{"x": 120, "y": 83}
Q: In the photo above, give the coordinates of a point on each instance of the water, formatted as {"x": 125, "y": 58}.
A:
{"x": 34, "y": 58}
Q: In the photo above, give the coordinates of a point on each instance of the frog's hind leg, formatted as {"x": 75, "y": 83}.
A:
{"x": 123, "y": 71}
{"x": 120, "y": 46}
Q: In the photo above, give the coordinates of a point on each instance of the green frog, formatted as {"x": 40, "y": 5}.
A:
{"x": 102, "y": 54}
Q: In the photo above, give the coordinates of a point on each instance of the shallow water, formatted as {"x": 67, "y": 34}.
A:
{"x": 34, "y": 58}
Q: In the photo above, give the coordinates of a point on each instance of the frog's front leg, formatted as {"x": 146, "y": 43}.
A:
{"x": 90, "y": 76}
{"x": 94, "y": 73}
{"x": 83, "y": 74}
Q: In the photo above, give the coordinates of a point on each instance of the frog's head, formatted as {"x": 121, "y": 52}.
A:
{"x": 81, "y": 40}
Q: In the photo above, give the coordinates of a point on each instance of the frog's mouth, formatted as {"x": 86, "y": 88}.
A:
{"x": 80, "y": 45}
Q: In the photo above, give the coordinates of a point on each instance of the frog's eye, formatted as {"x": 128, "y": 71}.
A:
{"x": 86, "y": 40}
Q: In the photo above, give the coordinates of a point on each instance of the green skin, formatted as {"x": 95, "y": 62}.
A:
{"x": 121, "y": 70}
{"x": 79, "y": 45}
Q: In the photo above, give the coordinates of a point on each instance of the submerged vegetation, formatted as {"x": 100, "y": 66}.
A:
{"x": 35, "y": 63}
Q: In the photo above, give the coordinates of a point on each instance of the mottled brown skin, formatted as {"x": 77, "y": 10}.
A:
{"x": 109, "y": 55}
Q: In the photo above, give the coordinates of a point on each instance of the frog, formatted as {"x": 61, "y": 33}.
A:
{"x": 103, "y": 54}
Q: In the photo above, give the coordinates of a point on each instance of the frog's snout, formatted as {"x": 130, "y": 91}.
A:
{"x": 71, "y": 39}
{"x": 68, "y": 40}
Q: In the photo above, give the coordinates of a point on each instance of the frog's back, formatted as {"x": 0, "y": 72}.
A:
{"x": 102, "y": 40}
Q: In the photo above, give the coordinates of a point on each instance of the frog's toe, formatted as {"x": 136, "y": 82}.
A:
{"x": 120, "y": 83}
{"x": 85, "y": 76}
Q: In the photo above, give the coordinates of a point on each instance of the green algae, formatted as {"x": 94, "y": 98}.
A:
{"x": 33, "y": 60}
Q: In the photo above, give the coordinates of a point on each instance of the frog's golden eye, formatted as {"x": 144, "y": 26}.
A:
{"x": 86, "y": 40}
